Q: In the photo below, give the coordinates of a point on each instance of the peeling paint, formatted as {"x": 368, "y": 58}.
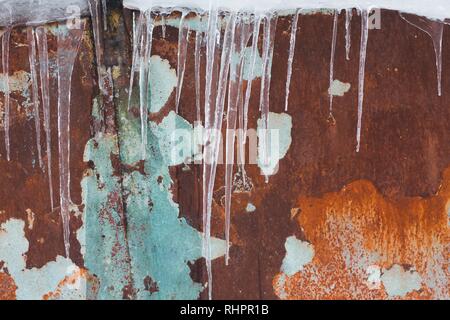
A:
{"x": 104, "y": 244}
{"x": 338, "y": 88}
{"x": 19, "y": 81}
{"x": 162, "y": 82}
{"x": 279, "y": 126}
{"x": 161, "y": 243}
{"x": 398, "y": 282}
{"x": 356, "y": 232}
{"x": 298, "y": 254}
{"x": 250, "y": 207}
{"x": 32, "y": 284}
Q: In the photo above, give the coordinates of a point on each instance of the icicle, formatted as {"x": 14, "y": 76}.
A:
{"x": 68, "y": 44}
{"x": 105, "y": 15}
{"x": 253, "y": 55}
{"x": 183, "y": 33}
{"x": 362, "y": 67}
{"x": 41, "y": 38}
{"x": 229, "y": 49}
{"x": 291, "y": 56}
{"x": 5, "y": 66}
{"x": 104, "y": 76}
{"x": 333, "y": 51}
{"x": 138, "y": 29}
{"x": 245, "y": 33}
{"x": 94, "y": 8}
{"x": 348, "y": 20}
{"x": 435, "y": 30}
{"x": 268, "y": 45}
{"x": 34, "y": 91}
{"x": 213, "y": 120}
{"x": 197, "y": 57}
{"x": 144, "y": 78}
{"x": 163, "y": 24}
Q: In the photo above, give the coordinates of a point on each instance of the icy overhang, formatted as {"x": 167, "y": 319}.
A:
{"x": 35, "y": 12}
{"x": 434, "y": 9}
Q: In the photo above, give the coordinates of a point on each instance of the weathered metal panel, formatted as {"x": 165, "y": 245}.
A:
{"x": 332, "y": 223}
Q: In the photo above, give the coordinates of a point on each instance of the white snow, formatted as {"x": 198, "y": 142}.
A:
{"x": 436, "y": 9}
{"x": 36, "y": 12}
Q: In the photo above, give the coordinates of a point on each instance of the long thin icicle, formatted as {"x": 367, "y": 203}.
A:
{"x": 69, "y": 41}
{"x": 291, "y": 56}
{"x": 105, "y": 15}
{"x": 268, "y": 46}
{"x": 41, "y": 37}
{"x": 211, "y": 117}
{"x": 243, "y": 32}
{"x": 435, "y": 30}
{"x": 144, "y": 77}
{"x": 94, "y": 8}
{"x": 183, "y": 33}
{"x": 197, "y": 62}
{"x": 138, "y": 28}
{"x": 163, "y": 24}
{"x": 34, "y": 90}
{"x": 253, "y": 55}
{"x": 333, "y": 52}
{"x": 5, "y": 65}
{"x": 348, "y": 36}
{"x": 105, "y": 82}
{"x": 362, "y": 67}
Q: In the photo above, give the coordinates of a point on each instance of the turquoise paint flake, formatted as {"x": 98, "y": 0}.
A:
{"x": 162, "y": 82}
{"x": 161, "y": 244}
{"x": 105, "y": 246}
{"x": 34, "y": 283}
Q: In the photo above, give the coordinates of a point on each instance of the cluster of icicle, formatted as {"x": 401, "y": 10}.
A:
{"x": 226, "y": 36}
{"x": 68, "y": 42}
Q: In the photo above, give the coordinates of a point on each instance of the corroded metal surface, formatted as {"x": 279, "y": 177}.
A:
{"x": 331, "y": 223}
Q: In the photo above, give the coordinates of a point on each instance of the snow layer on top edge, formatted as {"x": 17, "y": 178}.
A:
{"x": 434, "y": 9}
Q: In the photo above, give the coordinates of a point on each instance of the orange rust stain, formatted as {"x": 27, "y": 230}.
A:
{"x": 7, "y": 287}
{"x": 356, "y": 228}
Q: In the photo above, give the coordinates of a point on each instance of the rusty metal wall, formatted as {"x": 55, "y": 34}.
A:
{"x": 331, "y": 224}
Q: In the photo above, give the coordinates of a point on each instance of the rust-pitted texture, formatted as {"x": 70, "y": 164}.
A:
{"x": 396, "y": 175}
{"x": 356, "y": 230}
{"x": 25, "y": 185}
{"x": 7, "y": 287}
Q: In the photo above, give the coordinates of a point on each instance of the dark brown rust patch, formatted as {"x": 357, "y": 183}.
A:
{"x": 25, "y": 184}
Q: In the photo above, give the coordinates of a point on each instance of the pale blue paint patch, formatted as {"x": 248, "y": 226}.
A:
{"x": 298, "y": 254}
{"x": 398, "y": 282}
{"x": 338, "y": 88}
{"x": 174, "y": 135}
{"x": 281, "y": 287}
{"x": 163, "y": 80}
{"x": 193, "y": 23}
{"x": 32, "y": 284}
{"x": 280, "y": 139}
{"x": 247, "y": 72}
{"x": 250, "y": 207}
{"x": 19, "y": 82}
{"x": 105, "y": 245}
